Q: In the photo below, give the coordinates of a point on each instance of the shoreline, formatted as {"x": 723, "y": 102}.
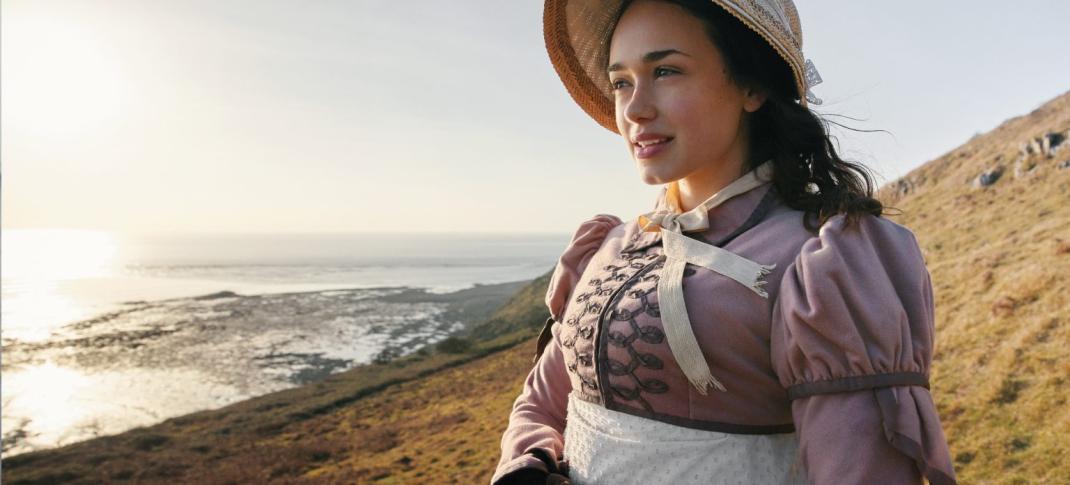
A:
{"x": 233, "y": 346}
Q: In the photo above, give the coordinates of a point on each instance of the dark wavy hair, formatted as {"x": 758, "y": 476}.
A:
{"x": 810, "y": 176}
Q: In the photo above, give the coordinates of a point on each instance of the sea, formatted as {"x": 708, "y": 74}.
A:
{"x": 103, "y": 332}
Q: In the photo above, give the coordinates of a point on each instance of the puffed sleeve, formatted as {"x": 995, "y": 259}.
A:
{"x": 534, "y": 438}
{"x": 852, "y": 342}
{"x": 585, "y": 242}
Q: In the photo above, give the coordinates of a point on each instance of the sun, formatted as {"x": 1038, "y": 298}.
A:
{"x": 62, "y": 74}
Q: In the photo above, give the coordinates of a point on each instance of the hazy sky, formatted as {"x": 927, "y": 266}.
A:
{"x": 273, "y": 116}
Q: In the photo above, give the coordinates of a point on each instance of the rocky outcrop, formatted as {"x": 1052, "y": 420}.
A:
{"x": 988, "y": 177}
{"x": 1024, "y": 166}
{"x": 1046, "y": 145}
{"x": 1037, "y": 151}
{"x": 901, "y": 187}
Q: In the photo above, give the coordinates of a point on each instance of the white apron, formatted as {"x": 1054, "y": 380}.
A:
{"x": 604, "y": 446}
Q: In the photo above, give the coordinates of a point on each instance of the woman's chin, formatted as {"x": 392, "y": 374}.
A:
{"x": 650, "y": 176}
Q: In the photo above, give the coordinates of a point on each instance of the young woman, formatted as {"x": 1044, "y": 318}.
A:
{"x": 764, "y": 323}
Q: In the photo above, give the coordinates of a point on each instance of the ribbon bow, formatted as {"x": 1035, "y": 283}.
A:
{"x": 680, "y": 250}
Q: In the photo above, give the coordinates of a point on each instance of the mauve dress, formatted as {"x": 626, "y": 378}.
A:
{"x": 835, "y": 360}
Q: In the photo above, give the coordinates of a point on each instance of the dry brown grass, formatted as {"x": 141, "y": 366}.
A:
{"x": 1002, "y": 284}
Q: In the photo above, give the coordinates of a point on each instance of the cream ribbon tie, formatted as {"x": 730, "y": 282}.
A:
{"x": 681, "y": 250}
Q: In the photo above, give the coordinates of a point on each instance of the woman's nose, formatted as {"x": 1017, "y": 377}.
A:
{"x": 639, "y": 107}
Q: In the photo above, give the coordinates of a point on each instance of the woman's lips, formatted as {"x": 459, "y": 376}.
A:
{"x": 651, "y": 151}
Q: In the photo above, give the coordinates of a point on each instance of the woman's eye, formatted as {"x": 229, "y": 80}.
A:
{"x": 658, "y": 72}
{"x": 663, "y": 70}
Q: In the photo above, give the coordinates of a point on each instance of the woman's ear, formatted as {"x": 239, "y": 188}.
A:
{"x": 753, "y": 99}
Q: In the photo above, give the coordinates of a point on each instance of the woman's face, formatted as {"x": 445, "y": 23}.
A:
{"x": 670, "y": 83}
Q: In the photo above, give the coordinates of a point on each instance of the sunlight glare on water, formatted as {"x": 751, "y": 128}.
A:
{"x": 52, "y": 402}
{"x": 57, "y": 254}
{"x": 54, "y": 405}
{"x": 36, "y": 264}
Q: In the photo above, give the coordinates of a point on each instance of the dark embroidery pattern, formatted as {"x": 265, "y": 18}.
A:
{"x": 623, "y": 330}
{"x": 632, "y": 277}
{"x": 578, "y": 334}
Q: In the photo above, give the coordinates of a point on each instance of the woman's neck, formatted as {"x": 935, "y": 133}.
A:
{"x": 697, "y": 187}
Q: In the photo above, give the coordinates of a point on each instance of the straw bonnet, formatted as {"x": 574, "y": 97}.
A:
{"x": 578, "y": 33}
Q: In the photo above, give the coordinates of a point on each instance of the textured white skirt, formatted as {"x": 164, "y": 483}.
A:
{"x": 604, "y": 446}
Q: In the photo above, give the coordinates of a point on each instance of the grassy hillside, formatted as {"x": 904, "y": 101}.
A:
{"x": 999, "y": 255}
{"x": 1000, "y": 260}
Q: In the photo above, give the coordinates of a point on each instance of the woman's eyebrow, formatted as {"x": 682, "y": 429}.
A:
{"x": 648, "y": 58}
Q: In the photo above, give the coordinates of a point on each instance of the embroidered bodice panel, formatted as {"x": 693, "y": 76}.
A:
{"x": 615, "y": 348}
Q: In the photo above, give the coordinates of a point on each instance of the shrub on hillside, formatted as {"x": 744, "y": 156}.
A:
{"x": 454, "y": 345}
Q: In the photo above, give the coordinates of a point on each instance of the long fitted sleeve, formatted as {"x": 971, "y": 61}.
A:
{"x": 538, "y": 416}
{"x": 537, "y": 420}
{"x": 852, "y": 342}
